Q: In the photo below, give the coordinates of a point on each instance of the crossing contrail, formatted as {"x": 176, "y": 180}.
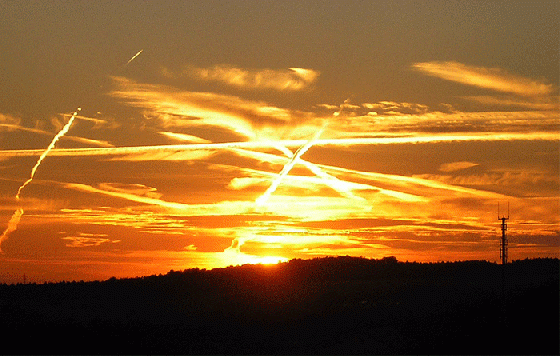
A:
{"x": 287, "y": 168}
{"x": 327, "y": 179}
{"x": 14, "y": 221}
{"x": 295, "y": 158}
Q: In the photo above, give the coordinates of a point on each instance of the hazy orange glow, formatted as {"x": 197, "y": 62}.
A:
{"x": 317, "y": 132}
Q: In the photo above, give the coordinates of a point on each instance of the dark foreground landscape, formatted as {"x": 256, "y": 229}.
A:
{"x": 339, "y": 305}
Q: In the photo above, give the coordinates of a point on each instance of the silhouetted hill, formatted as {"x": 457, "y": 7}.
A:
{"x": 332, "y": 305}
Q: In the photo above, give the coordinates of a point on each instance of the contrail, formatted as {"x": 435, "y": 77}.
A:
{"x": 333, "y": 142}
{"x": 328, "y": 179}
{"x": 295, "y": 158}
{"x": 46, "y": 152}
{"x": 331, "y": 181}
{"x": 136, "y": 55}
{"x": 287, "y": 168}
{"x": 12, "y": 225}
{"x": 14, "y": 221}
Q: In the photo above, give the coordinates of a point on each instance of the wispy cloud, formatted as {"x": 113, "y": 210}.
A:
{"x": 110, "y": 190}
{"x": 370, "y": 123}
{"x": 537, "y": 103}
{"x": 277, "y": 79}
{"x": 87, "y": 240}
{"x": 531, "y": 182}
{"x": 489, "y": 78}
{"x": 186, "y": 109}
{"x": 428, "y": 187}
{"x": 136, "y": 189}
{"x": 455, "y": 166}
{"x": 395, "y": 108}
{"x": 184, "y": 137}
{"x": 11, "y": 123}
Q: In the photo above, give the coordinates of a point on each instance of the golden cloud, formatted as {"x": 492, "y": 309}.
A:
{"x": 278, "y": 79}
{"x": 184, "y": 137}
{"x": 489, "y": 78}
{"x": 174, "y": 108}
{"x": 455, "y": 166}
{"x": 543, "y": 103}
{"x": 87, "y": 240}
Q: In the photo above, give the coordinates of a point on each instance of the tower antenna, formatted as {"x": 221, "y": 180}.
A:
{"x": 503, "y": 240}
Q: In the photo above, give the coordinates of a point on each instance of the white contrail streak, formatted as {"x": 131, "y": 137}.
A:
{"x": 136, "y": 55}
{"x": 287, "y": 168}
{"x": 12, "y": 225}
{"x": 352, "y": 141}
{"x": 329, "y": 180}
{"x": 14, "y": 220}
{"x": 61, "y": 133}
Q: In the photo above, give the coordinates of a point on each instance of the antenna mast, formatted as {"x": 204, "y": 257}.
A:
{"x": 503, "y": 241}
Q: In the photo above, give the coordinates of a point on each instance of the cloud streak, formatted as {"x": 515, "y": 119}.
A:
{"x": 87, "y": 240}
{"x": 291, "y": 79}
{"x": 455, "y": 166}
{"x": 488, "y": 78}
{"x": 13, "y": 124}
{"x": 187, "y": 109}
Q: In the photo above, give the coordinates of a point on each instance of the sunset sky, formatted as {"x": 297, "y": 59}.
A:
{"x": 217, "y": 133}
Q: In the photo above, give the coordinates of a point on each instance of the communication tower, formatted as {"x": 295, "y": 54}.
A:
{"x": 504, "y": 241}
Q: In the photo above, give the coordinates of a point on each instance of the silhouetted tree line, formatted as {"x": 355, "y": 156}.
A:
{"x": 330, "y": 305}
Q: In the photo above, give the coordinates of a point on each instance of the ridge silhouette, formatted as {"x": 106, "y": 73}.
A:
{"x": 330, "y": 305}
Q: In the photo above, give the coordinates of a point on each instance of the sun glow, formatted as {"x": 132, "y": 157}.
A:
{"x": 271, "y": 260}
{"x": 235, "y": 257}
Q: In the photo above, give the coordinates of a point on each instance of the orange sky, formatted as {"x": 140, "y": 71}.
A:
{"x": 220, "y": 133}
